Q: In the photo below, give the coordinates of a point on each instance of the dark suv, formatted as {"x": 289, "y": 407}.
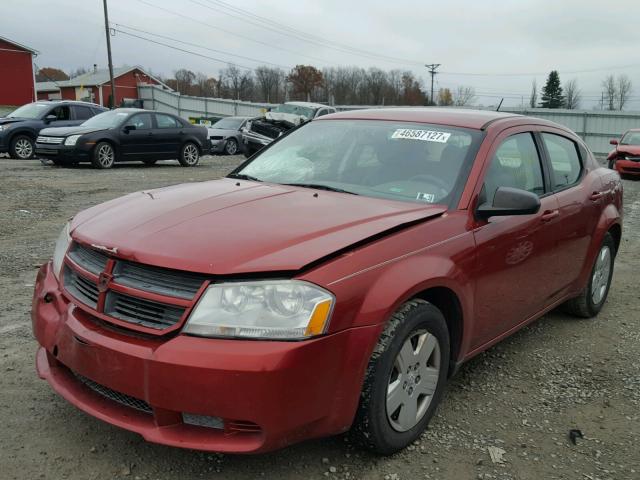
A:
{"x": 19, "y": 129}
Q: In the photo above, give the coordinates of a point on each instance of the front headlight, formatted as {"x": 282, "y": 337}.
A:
{"x": 4, "y": 127}
{"x": 269, "y": 309}
{"x": 62, "y": 244}
{"x": 72, "y": 140}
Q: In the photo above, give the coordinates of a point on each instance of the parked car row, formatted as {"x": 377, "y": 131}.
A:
{"x": 72, "y": 132}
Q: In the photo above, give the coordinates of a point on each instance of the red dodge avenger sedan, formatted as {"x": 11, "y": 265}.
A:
{"x": 334, "y": 281}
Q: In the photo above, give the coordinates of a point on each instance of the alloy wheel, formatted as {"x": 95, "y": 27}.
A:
{"x": 190, "y": 154}
{"x": 231, "y": 147}
{"x": 105, "y": 156}
{"x": 413, "y": 380}
{"x": 601, "y": 274}
{"x": 24, "y": 148}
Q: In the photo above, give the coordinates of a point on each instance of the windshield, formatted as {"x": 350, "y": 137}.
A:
{"x": 228, "y": 123}
{"x": 31, "y": 110}
{"x": 106, "y": 120}
{"x": 631, "y": 138}
{"x": 295, "y": 109}
{"x": 394, "y": 160}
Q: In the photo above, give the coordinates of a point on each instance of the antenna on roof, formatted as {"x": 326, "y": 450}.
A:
{"x": 500, "y": 104}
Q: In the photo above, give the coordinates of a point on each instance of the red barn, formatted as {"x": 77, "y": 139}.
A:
{"x": 17, "y": 83}
{"x": 95, "y": 86}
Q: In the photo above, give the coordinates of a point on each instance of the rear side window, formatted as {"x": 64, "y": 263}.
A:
{"x": 82, "y": 113}
{"x": 516, "y": 164}
{"x": 565, "y": 161}
{"x": 165, "y": 121}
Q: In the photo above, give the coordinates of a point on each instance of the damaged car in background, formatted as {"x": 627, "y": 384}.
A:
{"x": 261, "y": 131}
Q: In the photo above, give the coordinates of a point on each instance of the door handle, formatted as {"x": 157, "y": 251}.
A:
{"x": 596, "y": 196}
{"x": 550, "y": 215}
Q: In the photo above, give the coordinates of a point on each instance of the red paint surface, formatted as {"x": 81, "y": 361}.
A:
{"x": 126, "y": 87}
{"x": 16, "y": 75}
{"x": 504, "y": 273}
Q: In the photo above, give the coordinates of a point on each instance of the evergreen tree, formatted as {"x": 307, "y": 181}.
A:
{"x": 552, "y": 96}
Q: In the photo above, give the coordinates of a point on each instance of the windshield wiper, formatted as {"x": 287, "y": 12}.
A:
{"x": 243, "y": 176}
{"x": 319, "y": 186}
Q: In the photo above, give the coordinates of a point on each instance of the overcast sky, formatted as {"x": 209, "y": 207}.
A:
{"x": 505, "y": 44}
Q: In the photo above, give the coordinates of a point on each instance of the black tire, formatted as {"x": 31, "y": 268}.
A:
{"x": 103, "y": 155}
{"x": 585, "y": 305}
{"x": 22, "y": 147}
{"x": 610, "y": 164}
{"x": 149, "y": 163}
{"x": 231, "y": 147}
{"x": 372, "y": 427}
{"x": 189, "y": 155}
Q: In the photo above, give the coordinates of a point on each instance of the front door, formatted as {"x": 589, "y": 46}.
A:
{"x": 139, "y": 143}
{"x": 63, "y": 117}
{"x": 515, "y": 254}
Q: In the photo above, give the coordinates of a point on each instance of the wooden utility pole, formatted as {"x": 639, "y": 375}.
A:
{"x": 106, "y": 29}
{"x": 432, "y": 71}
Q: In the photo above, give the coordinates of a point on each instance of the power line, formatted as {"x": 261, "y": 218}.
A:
{"x": 226, "y": 62}
{"x": 311, "y": 37}
{"x": 531, "y": 74}
{"x": 321, "y": 43}
{"x": 230, "y": 32}
{"x": 200, "y": 46}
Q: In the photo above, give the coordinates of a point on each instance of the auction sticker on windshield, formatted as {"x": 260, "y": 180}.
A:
{"x": 424, "y": 135}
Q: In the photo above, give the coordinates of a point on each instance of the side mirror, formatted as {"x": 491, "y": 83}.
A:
{"x": 613, "y": 141}
{"x": 510, "y": 201}
{"x": 50, "y": 118}
{"x": 128, "y": 128}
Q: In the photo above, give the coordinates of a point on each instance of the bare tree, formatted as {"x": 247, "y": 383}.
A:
{"x": 445, "y": 98}
{"x": 610, "y": 91}
{"x": 624, "y": 90}
{"x": 463, "y": 96}
{"x": 533, "y": 99}
{"x": 237, "y": 83}
{"x": 572, "y": 95}
{"x": 269, "y": 82}
{"x": 376, "y": 82}
{"x": 184, "y": 80}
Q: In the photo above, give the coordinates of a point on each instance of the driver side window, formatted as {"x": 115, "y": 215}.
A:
{"x": 515, "y": 164}
{"x": 61, "y": 112}
{"x": 142, "y": 121}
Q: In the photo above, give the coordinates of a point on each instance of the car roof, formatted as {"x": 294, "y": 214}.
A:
{"x": 457, "y": 117}
{"x": 72, "y": 102}
{"x": 307, "y": 104}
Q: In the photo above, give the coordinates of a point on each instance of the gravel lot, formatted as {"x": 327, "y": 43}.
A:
{"x": 522, "y": 396}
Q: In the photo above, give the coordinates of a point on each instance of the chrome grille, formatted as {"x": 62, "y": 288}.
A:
{"x": 82, "y": 288}
{"x": 142, "y": 312}
{"x": 89, "y": 259}
{"x": 121, "y": 398}
{"x": 50, "y": 140}
{"x": 158, "y": 280}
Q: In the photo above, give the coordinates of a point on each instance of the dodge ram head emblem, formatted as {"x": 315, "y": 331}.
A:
{"x": 103, "y": 281}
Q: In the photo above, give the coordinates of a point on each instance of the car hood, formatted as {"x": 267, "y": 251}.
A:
{"x": 290, "y": 118}
{"x": 227, "y": 226}
{"x": 6, "y": 120}
{"x": 66, "y": 131}
{"x": 222, "y": 132}
{"x": 629, "y": 149}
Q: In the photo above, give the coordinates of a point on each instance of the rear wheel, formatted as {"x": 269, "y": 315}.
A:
{"x": 405, "y": 379}
{"x": 231, "y": 147}
{"x": 189, "y": 155}
{"x": 590, "y": 301}
{"x": 21, "y": 148}
{"x": 104, "y": 155}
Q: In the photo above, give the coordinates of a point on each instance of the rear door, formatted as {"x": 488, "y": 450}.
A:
{"x": 167, "y": 135}
{"x": 515, "y": 254}
{"x": 580, "y": 201}
{"x": 139, "y": 144}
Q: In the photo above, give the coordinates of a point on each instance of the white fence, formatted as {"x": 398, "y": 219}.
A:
{"x": 596, "y": 127}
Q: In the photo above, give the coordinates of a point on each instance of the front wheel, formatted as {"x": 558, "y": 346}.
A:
{"x": 104, "y": 155}
{"x": 189, "y": 155}
{"x": 231, "y": 147}
{"x": 21, "y": 148}
{"x": 590, "y": 301}
{"x": 405, "y": 379}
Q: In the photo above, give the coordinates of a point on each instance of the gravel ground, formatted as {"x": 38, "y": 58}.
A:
{"x": 522, "y": 396}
